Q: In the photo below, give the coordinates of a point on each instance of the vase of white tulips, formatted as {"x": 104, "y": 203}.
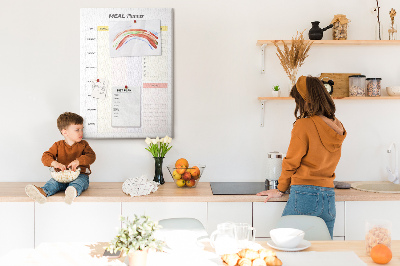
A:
{"x": 158, "y": 148}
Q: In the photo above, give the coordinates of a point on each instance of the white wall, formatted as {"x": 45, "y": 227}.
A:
{"x": 217, "y": 82}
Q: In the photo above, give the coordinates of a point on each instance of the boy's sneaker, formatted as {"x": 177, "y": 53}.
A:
{"x": 36, "y": 193}
{"x": 70, "y": 195}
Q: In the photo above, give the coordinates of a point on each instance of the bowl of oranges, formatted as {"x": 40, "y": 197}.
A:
{"x": 185, "y": 175}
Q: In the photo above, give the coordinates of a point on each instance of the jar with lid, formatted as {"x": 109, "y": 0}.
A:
{"x": 274, "y": 169}
{"x": 374, "y": 87}
{"x": 357, "y": 85}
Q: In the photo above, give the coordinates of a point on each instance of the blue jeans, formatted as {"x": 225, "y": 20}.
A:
{"x": 314, "y": 201}
{"x": 80, "y": 184}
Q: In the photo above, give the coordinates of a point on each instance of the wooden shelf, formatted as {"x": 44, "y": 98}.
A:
{"x": 335, "y": 98}
{"x": 264, "y": 99}
{"x": 339, "y": 42}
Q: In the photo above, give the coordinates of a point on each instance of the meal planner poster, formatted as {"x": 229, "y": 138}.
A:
{"x": 126, "y": 72}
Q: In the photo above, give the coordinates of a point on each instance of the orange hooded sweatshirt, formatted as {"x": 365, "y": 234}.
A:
{"x": 313, "y": 154}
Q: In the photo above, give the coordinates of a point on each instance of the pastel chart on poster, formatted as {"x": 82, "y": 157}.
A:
{"x": 135, "y": 38}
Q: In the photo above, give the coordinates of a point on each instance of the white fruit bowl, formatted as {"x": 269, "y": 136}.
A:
{"x": 187, "y": 177}
{"x": 393, "y": 91}
{"x": 287, "y": 237}
{"x": 65, "y": 176}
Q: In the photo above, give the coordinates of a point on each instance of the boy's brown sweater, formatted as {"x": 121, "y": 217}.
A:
{"x": 313, "y": 154}
{"x": 65, "y": 154}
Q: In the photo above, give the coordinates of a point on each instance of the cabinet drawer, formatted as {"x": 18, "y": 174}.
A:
{"x": 220, "y": 212}
{"x": 79, "y": 222}
{"x": 358, "y": 212}
{"x": 16, "y": 216}
{"x": 266, "y": 215}
{"x": 165, "y": 210}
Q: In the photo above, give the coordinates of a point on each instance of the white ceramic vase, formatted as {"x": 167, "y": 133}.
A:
{"x": 276, "y": 93}
{"x": 138, "y": 257}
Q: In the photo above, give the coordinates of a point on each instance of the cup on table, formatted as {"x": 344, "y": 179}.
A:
{"x": 377, "y": 232}
{"x": 243, "y": 234}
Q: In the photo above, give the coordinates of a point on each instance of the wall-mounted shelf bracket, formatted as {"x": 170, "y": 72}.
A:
{"x": 263, "y": 58}
{"x": 262, "y": 113}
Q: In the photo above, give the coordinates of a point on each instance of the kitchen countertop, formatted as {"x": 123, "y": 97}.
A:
{"x": 112, "y": 192}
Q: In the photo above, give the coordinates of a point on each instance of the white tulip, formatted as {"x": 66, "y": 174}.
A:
{"x": 154, "y": 141}
{"x": 158, "y": 139}
{"x": 163, "y": 140}
{"x": 169, "y": 140}
{"x": 148, "y": 141}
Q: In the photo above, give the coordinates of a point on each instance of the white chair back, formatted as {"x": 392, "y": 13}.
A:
{"x": 314, "y": 227}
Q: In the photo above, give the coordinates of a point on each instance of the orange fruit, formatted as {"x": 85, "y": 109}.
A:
{"x": 181, "y": 163}
{"x": 381, "y": 254}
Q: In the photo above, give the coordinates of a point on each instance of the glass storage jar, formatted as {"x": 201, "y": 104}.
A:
{"x": 374, "y": 87}
{"x": 357, "y": 85}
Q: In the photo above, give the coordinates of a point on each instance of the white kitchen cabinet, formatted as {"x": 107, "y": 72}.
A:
{"x": 16, "y": 226}
{"x": 266, "y": 215}
{"x": 358, "y": 212}
{"x": 79, "y": 222}
{"x": 165, "y": 210}
{"x": 220, "y": 212}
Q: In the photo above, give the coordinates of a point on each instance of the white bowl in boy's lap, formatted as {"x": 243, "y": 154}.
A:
{"x": 65, "y": 176}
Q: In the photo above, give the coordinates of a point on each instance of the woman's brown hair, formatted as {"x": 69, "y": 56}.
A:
{"x": 319, "y": 101}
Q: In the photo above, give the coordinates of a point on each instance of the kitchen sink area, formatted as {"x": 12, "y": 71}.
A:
{"x": 377, "y": 186}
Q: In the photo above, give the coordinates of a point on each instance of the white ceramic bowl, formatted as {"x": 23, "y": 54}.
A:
{"x": 393, "y": 91}
{"x": 286, "y": 237}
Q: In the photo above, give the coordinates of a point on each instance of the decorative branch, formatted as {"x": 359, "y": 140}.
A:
{"x": 293, "y": 58}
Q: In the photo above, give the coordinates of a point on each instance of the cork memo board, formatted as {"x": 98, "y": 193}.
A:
{"x": 126, "y": 67}
{"x": 341, "y": 80}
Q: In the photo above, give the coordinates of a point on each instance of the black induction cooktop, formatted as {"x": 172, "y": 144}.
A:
{"x": 237, "y": 188}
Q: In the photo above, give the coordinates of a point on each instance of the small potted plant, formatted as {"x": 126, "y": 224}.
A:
{"x": 135, "y": 238}
{"x": 276, "y": 91}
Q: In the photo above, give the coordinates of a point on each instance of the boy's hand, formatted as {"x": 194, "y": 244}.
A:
{"x": 74, "y": 164}
{"x": 58, "y": 165}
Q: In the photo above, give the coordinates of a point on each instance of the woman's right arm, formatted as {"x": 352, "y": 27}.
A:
{"x": 298, "y": 148}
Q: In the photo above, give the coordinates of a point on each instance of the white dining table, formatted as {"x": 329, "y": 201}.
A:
{"x": 88, "y": 254}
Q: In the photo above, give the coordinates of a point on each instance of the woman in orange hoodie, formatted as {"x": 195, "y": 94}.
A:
{"x": 313, "y": 154}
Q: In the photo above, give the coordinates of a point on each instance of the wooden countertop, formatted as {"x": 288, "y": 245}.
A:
{"x": 112, "y": 192}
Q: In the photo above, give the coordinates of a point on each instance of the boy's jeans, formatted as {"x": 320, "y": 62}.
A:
{"x": 314, "y": 201}
{"x": 80, "y": 184}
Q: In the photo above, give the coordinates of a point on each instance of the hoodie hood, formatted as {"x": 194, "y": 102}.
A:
{"x": 330, "y": 133}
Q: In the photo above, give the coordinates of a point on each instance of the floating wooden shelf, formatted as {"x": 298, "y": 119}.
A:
{"x": 264, "y": 43}
{"x": 339, "y": 42}
{"x": 264, "y": 99}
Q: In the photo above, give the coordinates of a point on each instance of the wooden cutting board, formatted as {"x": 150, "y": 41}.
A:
{"x": 341, "y": 80}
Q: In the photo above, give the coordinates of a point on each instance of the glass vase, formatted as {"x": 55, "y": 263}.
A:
{"x": 158, "y": 174}
{"x": 392, "y": 32}
{"x": 378, "y": 31}
{"x": 292, "y": 82}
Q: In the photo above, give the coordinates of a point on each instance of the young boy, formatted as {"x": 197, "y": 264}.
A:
{"x": 68, "y": 153}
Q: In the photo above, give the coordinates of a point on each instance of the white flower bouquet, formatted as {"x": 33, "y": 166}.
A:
{"x": 158, "y": 147}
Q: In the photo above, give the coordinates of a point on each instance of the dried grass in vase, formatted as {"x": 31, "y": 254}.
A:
{"x": 292, "y": 58}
